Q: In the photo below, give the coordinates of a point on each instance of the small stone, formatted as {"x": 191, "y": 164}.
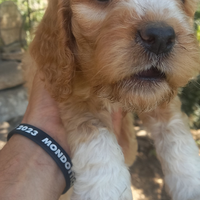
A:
{"x": 10, "y": 74}
{"x": 11, "y": 23}
{"x": 13, "y": 103}
{"x": 12, "y": 56}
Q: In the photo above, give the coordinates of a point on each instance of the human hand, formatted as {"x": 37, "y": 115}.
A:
{"x": 43, "y": 112}
{"x": 24, "y": 163}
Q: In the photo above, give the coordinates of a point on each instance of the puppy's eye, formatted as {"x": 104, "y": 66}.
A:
{"x": 183, "y": 1}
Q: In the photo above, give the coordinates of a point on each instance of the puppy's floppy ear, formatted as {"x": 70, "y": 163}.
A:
{"x": 52, "y": 48}
{"x": 190, "y": 7}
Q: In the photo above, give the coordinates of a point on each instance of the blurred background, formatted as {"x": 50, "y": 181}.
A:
{"x": 18, "y": 20}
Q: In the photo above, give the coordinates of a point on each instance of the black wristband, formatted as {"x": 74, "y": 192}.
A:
{"x": 46, "y": 142}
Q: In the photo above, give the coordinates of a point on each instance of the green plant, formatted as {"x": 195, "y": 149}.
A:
{"x": 190, "y": 95}
{"x": 32, "y": 12}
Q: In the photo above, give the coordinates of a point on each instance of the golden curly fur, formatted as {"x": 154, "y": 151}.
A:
{"x": 90, "y": 56}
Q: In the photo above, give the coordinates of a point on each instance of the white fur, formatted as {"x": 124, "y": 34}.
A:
{"x": 89, "y": 13}
{"x": 156, "y": 6}
{"x": 164, "y": 9}
{"x": 100, "y": 170}
{"x": 179, "y": 158}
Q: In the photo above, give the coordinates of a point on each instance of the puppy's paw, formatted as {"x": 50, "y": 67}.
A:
{"x": 103, "y": 187}
{"x": 101, "y": 173}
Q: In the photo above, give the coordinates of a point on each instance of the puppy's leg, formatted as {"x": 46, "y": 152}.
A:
{"x": 176, "y": 150}
{"x": 126, "y": 138}
{"x": 100, "y": 171}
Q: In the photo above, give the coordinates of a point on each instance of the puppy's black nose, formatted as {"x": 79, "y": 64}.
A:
{"x": 157, "y": 37}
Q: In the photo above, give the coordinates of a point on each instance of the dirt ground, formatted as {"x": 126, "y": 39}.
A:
{"x": 146, "y": 173}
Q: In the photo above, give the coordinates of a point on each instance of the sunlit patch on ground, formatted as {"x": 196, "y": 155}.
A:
{"x": 3, "y": 133}
{"x": 196, "y": 136}
{"x": 2, "y": 144}
{"x": 138, "y": 194}
{"x": 6, "y": 127}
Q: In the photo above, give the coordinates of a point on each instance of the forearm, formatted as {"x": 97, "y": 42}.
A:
{"x": 28, "y": 172}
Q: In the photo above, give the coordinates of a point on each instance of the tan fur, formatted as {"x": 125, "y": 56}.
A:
{"x": 88, "y": 64}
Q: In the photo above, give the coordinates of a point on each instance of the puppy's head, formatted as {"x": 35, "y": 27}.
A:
{"x": 136, "y": 52}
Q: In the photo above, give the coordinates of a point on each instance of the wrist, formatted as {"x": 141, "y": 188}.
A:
{"x": 25, "y": 163}
{"x": 52, "y": 127}
{"x": 48, "y": 144}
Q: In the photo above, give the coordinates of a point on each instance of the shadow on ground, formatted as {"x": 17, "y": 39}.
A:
{"x": 146, "y": 173}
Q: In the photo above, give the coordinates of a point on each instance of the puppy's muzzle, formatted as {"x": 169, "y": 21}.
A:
{"x": 157, "y": 37}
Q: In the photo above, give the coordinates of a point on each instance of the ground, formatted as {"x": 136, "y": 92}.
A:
{"x": 146, "y": 173}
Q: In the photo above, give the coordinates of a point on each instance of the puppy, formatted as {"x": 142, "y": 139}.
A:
{"x": 101, "y": 56}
